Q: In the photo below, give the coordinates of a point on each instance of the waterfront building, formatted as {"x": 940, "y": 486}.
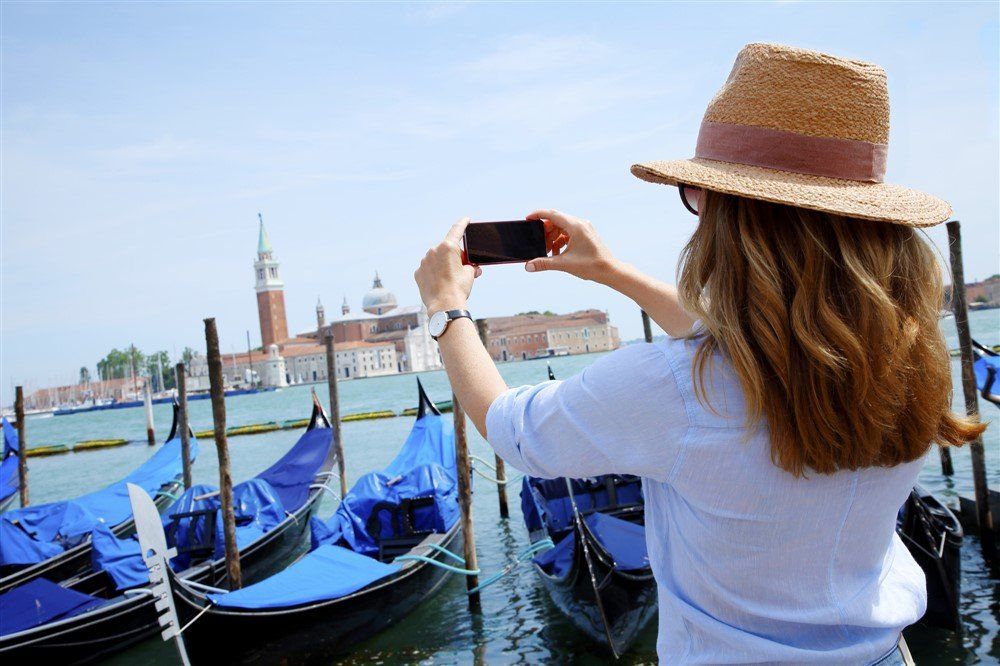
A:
{"x": 536, "y": 335}
{"x": 383, "y": 321}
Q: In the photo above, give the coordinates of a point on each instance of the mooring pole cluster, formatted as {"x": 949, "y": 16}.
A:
{"x": 483, "y": 327}
{"x": 331, "y": 378}
{"x": 22, "y": 445}
{"x": 960, "y": 307}
{"x": 218, "y": 394}
{"x": 182, "y": 418}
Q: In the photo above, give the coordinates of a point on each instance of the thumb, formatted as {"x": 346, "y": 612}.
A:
{"x": 542, "y": 264}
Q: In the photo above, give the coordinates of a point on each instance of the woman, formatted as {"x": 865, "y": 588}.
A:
{"x": 782, "y": 426}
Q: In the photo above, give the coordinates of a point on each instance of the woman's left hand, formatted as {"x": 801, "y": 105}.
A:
{"x": 444, "y": 281}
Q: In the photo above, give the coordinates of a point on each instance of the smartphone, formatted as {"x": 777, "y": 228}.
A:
{"x": 512, "y": 242}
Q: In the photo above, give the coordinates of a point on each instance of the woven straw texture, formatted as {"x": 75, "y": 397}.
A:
{"x": 814, "y": 94}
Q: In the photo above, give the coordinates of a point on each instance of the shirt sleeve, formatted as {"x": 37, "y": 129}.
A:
{"x": 622, "y": 415}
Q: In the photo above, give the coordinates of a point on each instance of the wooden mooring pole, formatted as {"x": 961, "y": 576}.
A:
{"x": 647, "y": 327}
{"x": 464, "y": 466}
{"x": 147, "y": 399}
{"x": 331, "y": 379}
{"x": 22, "y": 445}
{"x": 501, "y": 473}
{"x": 217, "y": 391}
{"x": 960, "y": 307}
{"x": 182, "y": 421}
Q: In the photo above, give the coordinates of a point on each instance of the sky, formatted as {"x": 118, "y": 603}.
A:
{"x": 140, "y": 140}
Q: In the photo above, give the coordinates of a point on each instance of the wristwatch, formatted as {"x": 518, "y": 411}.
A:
{"x": 440, "y": 320}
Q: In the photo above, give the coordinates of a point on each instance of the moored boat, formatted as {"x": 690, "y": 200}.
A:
{"x": 933, "y": 535}
{"x": 53, "y": 540}
{"x": 380, "y": 555}
{"x": 111, "y": 606}
{"x": 598, "y": 574}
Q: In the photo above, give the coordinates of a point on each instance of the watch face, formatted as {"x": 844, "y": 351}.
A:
{"x": 437, "y": 323}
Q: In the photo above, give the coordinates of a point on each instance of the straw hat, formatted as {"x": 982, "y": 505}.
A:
{"x": 802, "y": 128}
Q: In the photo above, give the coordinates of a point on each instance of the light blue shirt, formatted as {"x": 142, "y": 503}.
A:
{"x": 751, "y": 563}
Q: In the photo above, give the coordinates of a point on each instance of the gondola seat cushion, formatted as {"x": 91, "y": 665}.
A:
{"x": 624, "y": 541}
{"x": 329, "y": 572}
{"x": 39, "y": 602}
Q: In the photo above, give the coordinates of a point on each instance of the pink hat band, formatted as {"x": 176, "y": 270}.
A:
{"x": 847, "y": 159}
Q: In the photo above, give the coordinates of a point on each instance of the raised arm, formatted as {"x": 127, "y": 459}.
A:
{"x": 578, "y": 250}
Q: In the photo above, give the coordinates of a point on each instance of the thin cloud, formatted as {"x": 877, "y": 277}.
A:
{"x": 528, "y": 53}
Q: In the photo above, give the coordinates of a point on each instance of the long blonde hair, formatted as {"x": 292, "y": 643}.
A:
{"x": 830, "y": 324}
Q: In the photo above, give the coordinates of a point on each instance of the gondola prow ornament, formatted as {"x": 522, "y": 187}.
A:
{"x": 156, "y": 555}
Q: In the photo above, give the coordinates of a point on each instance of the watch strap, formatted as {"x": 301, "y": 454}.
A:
{"x": 450, "y": 316}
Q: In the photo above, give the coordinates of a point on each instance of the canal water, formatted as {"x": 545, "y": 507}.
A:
{"x": 518, "y": 624}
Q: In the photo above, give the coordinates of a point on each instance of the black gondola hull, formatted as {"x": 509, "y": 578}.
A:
{"x": 310, "y": 634}
{"x": 629, "y": 599}
{"x": 76, "y": 560}
{"x": 112, "y": 628}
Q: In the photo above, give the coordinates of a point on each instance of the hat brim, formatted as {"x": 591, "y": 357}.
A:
{"x": 869, "y": 201}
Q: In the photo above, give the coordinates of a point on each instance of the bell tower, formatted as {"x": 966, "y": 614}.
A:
{"x": 270, "y": 292}
{"x": 320, "y": 316}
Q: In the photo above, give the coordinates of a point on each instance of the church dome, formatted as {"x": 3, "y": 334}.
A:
{"x": 378, "y": 300}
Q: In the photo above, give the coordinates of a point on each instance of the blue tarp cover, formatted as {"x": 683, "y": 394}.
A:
{"x": 339, "y": 562}
{"x": 981, "y": 367}
{"x": 546, "y": 500}
{"x": 38, "y": 602}
{"x": 67, "y": 523}
{"x": 260, "y": 504}
{"x": 257, "y": 507}
{"x": 8, "y": 461}
{"x": 328, "y": 572}
{"x": 424, "y": 467}
{"x": 624, "y": 541}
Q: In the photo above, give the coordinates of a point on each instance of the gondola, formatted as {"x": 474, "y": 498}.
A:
{"x": 370, "y": 564}
{"x": 112, "y": 606}
{"x": 598, "y": 574}
{"x": 53, "y": 540}
{"x": 986, "y": 369}
{"x": 933, "y": 535}
{"x": 9, "y": 481}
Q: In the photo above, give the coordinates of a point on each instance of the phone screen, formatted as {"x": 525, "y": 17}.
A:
{"x": 504, "y": 242}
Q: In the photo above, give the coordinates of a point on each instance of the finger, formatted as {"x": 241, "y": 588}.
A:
{"x": 544, "y": 264}
{"x": 562, "y": 220}
{"x": 457, "y": 230}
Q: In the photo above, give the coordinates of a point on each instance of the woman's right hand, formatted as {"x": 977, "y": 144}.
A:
{"x": 576, "y": 248}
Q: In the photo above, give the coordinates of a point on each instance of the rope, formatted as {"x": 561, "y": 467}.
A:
{"x": 525, "y": 555}
{"x": 485, "y": 462}
{"x": 194, "y": 619}
{"x": 445, "y": 551}
{"x": 500, "y": 482}
{"x": 442, "y": 565}
{"x": 165, "y": 493}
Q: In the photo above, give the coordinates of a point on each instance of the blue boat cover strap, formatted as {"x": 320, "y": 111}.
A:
{"x": 9, "y": 481}
{"x": 329, "y": 572}
{"x": 68, "y": 523}
{"x": 41, "y": 601}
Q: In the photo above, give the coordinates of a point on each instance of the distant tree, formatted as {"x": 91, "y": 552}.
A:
{"x": 84, "y": 375}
